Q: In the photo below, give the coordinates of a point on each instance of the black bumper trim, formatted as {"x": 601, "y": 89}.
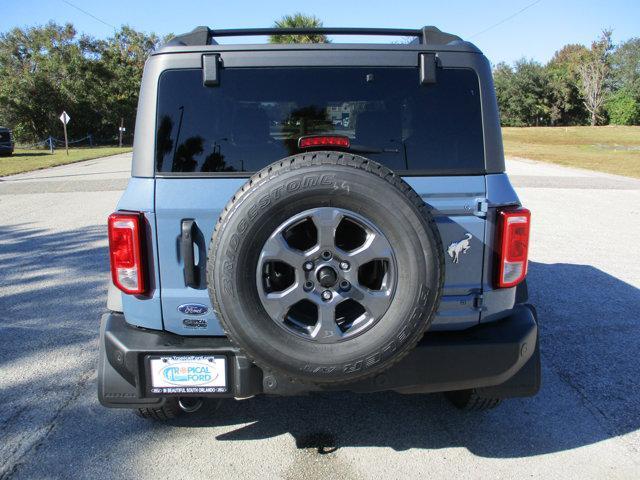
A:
{"x": 489, "y": 356}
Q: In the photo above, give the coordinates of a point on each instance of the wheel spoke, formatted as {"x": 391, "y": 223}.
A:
{"x": 326, "y": 330}
{"x": 277, "y": 304}
{"x": 326, "y": 275}
{"x": 276, "y": 248}
{"x": 375, "y": 302}
{"x": 326, "y": 221}
{"x": 374, "y": 248}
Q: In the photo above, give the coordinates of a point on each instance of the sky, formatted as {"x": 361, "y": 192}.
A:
{"x": 541, "y": 27}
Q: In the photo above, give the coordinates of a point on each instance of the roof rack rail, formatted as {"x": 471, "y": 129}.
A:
{"x": 428, "y": 35}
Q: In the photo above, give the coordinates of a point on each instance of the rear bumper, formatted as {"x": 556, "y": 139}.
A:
{"x": 500, "y": 358}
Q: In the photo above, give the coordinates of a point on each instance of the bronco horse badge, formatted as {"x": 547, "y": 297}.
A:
{"x": 456, "y": 248}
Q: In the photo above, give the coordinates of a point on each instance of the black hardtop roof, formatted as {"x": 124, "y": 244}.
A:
{"x": 428, "y": 37}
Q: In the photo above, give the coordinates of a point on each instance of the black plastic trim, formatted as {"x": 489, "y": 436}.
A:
{"x": 187, "y": 253}
{"x": 197, "y": 36}
{"x": 247, "y": 32}
{"x": 486, "y": 356}
{"x": 427, "y": 68}
{"x": 322, "y": 58}
{"x": 210, "y": 66}
{"x": 204, "y": 35}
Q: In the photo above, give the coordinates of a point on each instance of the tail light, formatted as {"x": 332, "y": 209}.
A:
{"x": 513, "y": 246}
{"x": 323, "y": 141}
{"x": 126, "y": 253}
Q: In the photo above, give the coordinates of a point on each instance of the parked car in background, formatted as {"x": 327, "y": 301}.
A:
{"x": 6, "y": 142}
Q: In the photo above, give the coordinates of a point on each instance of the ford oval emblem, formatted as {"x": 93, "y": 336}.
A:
{"x": 193, "y": 309}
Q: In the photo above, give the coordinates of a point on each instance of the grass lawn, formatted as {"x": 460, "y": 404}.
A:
{"x": 27, "y": 160}
{"x": 608, "y": 149}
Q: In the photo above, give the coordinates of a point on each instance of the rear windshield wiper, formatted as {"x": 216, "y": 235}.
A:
{"x": 370, "y": 149}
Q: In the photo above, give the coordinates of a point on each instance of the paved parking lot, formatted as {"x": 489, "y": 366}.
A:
{"x": 584, "y": 279}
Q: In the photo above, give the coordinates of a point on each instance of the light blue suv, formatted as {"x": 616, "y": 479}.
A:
{"x": 313, "y": 217}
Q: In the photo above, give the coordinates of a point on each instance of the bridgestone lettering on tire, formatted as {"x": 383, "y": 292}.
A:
{"x": 325, "y": 268}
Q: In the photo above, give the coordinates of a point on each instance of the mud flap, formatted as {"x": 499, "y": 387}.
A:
{"x": 525, "y": 383}
{"x": 113, "y": 390}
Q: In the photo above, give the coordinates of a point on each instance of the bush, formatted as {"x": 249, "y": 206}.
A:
{"x": 623, "y": 108}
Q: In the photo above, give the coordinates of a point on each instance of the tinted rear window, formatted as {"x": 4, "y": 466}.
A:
{"x": 256, "y": 116}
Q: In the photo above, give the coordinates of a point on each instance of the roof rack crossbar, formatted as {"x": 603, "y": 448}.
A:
{"x": 205, "y": 36}
{"x": 316, "y": 31}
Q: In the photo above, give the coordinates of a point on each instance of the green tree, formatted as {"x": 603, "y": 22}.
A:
{"x": 44, "y": 70}
{"x": 123, "y": 56}
{"x": 623, "y": 108}
{"x": 625, "y": 67}
{"x": 566, "y": 104}
{"x": 523, "y": 93}
{"x": 623, "y": 103}
{"x": 504, "y": 85}
{"x": 298, "y": 20}
{"x": 51, "y": 68}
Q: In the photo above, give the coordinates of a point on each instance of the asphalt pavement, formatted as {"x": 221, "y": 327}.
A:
{"x": 584, "y": 279}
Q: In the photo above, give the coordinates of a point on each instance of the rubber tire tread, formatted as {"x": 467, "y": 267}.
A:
{"x": 330, "y": 158}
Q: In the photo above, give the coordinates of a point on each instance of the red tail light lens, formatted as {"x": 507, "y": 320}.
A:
{"x": 513, "y": 244}
{"x": 125, "y": 251}
{"x": 324, "y": 141}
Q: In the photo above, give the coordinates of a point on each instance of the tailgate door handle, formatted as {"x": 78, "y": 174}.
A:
{"x": 191, "y": 277}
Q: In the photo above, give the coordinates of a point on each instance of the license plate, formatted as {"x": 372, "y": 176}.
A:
{"x": 179, "y": 375}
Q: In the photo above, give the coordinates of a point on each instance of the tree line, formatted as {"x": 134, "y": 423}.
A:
{"x": 51, "y": 68}
{"x": 580, "y": 85}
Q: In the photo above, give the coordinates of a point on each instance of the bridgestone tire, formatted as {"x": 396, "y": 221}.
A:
{"x": 325, "y": 179}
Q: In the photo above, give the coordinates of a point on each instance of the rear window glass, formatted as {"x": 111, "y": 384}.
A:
{"x": 256, "y": 116}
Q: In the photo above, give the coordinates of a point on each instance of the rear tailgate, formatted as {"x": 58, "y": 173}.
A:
{"x": 209, "y": 136}
{"x": 455, "y": 202}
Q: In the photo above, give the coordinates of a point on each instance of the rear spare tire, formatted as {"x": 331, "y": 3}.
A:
{"x": 325, "y": 267}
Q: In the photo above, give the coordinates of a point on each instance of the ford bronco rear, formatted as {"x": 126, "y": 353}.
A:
{"x": 313, "y": 217}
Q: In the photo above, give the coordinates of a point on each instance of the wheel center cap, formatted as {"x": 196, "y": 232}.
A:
{"x": 327, "y": 277}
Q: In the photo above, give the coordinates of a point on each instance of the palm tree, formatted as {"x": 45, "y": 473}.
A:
{"x": 298, "y": 20}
